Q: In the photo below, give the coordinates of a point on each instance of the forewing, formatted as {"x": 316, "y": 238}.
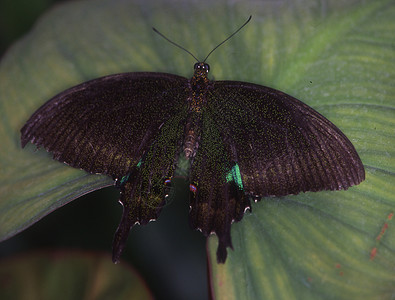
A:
{"x": 106, "y": 125}
{"x": 281, "y": 145}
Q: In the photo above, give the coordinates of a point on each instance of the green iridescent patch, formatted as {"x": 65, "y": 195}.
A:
{"x": 235, "y": 176}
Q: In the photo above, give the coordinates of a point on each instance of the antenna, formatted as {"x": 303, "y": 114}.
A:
{"x": 245, "y": 23}
{"x": 175, "y": 44}
{"x": 190, "y": 53}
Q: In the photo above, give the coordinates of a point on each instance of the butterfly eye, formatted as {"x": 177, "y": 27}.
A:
{"x": 206, "y": 67}
{"x": 196, "y": 66}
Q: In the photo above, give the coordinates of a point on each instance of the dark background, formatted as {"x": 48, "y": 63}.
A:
{"x": 167, "y": 253}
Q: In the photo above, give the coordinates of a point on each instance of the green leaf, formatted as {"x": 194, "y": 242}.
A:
{"x": 68, "y": 275}
{"x": 336, "y": 56}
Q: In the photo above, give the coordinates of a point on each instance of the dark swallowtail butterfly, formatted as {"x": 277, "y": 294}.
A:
{"x": 242, "y": 140}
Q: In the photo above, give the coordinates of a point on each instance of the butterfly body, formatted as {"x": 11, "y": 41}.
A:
{"x": 198, "y": 87}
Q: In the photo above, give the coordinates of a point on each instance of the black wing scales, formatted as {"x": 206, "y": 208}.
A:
{"x": 281, "y": 145}
{"x": 105, "y": 125}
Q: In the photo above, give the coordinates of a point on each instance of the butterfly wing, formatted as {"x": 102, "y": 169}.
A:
{"x": 281, "y": 145}
{"x": 218, "y": 199}
{"x": 128, "y": 126}
{"x": 105, "y": 125}
{"x": 275, "y": 143}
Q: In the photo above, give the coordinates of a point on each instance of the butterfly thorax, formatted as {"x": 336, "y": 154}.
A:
{"x": 199, "y": 86}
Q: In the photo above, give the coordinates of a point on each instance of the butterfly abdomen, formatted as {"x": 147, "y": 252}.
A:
{"x": 192, "y": 135}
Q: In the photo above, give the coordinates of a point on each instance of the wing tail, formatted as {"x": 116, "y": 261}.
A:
{"x": 142, "y": 202}
{"x": 214, "y": 210}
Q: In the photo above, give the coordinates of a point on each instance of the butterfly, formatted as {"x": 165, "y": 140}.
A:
{"x": 243, "y": 141}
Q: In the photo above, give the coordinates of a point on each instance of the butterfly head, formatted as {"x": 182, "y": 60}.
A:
{"x": 201, "y": 69}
